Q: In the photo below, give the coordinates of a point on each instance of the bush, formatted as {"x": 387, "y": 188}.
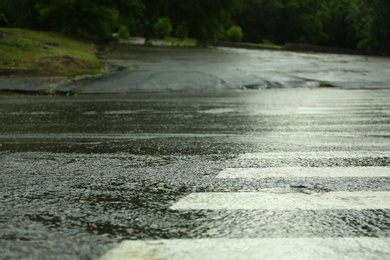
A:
{"x": 123, "y": 33}
{"x": 182, "y": 31}
{"x": 163, "y": 27}
{"x": 234, "y": 34}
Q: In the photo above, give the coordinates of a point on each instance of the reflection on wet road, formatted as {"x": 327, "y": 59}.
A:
{"x": 166, "y": 172}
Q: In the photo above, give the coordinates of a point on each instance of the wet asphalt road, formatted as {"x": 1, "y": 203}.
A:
{"x": 81, "y": 174}
{"x": 135, "y": 68}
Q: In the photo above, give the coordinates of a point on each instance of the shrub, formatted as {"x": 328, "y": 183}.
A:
{"x": 234, "y": 34}
{"x": 182, "y": 31}
{"x": 163, "y": 27}
{"x": 123, "y": 33}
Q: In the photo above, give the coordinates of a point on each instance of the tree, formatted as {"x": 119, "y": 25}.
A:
{"x": 3, "y": 20}
{"x": 182, "y": 31}
{"x": 338, "y": 25}
{"x": 206, "y": 19}
{"x": 372, "y": 24}
{"x": 131, "y": 13}
{"x": 153, "y": 9}
{"x": 253, "y": 18}
{"x": 163, "y": 27}
{"x": 98, "y": 18}
{"x": 283, "y": 21}
{"x": 299, "y": 20}
{"x": 19, "y": 13}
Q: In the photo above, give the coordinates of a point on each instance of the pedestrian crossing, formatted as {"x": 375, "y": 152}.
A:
{"x": 266, "y": 202}
{"x": 273, "y": 200}
{"x": 303, "y": 172}
{"x": 254, "y": 249}
{"x": 317, "y": 155}
{"x": 284, "y": 201}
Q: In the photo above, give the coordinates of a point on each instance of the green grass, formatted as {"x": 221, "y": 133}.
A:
{"x": 36, "y": 53}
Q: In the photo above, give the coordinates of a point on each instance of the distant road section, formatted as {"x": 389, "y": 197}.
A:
{"x": 180, "y": 68}
{"x": 173, "y": 68}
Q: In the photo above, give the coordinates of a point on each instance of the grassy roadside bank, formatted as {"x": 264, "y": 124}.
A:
{"x": 36, "y": 53}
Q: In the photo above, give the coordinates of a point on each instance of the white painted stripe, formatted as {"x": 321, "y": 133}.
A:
{"x": 302, "y": 172}
{"x": 311, "y": 155}
{"x": 325, "y": 134}
{"x": 340, "y": 127}
{"x": 338, "y": 110}
{"x": 283, "y": 201}
{"x": 361, "y": 248}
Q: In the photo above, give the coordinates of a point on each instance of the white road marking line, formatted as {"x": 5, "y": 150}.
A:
{"x": 338, "y": 110}
{"x": 361, "y": 248}
{"x": 327, "y": 134}
{"x": 314, "y": 155}
{"x": 302, "y": 172}
{"x": 283, "y": 201}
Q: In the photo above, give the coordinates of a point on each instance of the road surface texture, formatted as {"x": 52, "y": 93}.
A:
{"x": 139, "y": 68}
{"x": 245, "y": 174}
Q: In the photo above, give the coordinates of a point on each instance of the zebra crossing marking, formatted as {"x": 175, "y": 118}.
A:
{"x": 301, "y": 172}
{"x": 359, "y": 248}
{"x": 312, "y": 110}
{"x": 283, "y": 201}
{"x": 316, "y": 155}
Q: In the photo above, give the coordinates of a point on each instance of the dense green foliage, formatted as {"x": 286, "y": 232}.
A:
{"x": 163, "y": 27}
{"x": 83, "y": 17}
{"x": 206, "y": 20}
{"x": 373, "y": 24}
{"x": 234, "y": 34}
{"x": 123, "y": 33}
{"x": 339, "y": 23}
{"x": 182, "y": 31}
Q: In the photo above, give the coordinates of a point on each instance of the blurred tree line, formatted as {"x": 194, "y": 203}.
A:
{"x": 361, "y": 24}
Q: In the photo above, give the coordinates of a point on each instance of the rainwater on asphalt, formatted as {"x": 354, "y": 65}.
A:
{"x": 82, "y": 173}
